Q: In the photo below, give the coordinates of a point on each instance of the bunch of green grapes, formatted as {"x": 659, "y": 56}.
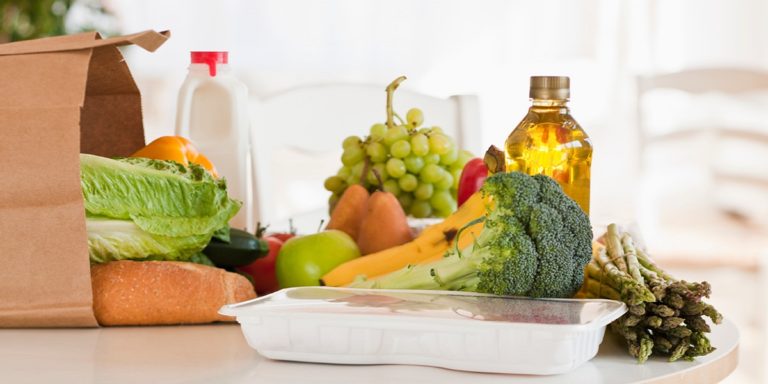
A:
{"x": 419, "y": 165}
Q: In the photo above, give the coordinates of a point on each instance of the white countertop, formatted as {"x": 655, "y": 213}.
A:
{"x": 219, "y": 354}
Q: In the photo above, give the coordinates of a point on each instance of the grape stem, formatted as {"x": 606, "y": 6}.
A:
{"x": 390, "y": 92}
{"x": 366, "y": 166}
{"x": 402, "y": 122}
{"x": 378, "y": 177}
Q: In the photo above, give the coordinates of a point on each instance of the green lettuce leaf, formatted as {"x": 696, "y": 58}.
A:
{"x": 110, "y": 239}
{"x": 222, "y": 234}
{"x": 201, "y": 258}
{"x": 161, "y": 197}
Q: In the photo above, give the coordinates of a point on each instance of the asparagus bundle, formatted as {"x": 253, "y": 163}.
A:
{"x": 665, "y": 316}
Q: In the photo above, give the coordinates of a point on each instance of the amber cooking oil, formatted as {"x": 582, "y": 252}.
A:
{"x": 549, "y": 141}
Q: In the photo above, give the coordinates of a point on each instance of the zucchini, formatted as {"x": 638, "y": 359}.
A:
{"x": 243, "y": 248}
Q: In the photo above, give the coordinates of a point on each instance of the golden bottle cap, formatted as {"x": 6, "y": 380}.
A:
{"x": 550, "y": 88}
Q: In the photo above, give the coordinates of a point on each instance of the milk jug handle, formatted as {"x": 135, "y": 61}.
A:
{"x": 184, "y": 107}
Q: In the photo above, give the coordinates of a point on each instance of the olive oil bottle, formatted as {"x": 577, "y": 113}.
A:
{"x": 549, "y": 141}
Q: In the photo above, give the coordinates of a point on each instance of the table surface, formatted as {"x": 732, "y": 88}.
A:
{"x": 218, "y": 353}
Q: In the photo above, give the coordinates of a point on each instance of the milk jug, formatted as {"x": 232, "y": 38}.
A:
{"x": 212, "y": 112}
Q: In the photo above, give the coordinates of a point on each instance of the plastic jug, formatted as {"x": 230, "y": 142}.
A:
{"x": 212, "y": 112}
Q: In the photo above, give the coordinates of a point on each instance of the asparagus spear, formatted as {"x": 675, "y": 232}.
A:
{"x": 661, "y": 310}
{"x": 637, "y": 310}
{"x": 701, "y": 345}
{"x": 628, "y": 333}
{"x": 671, "y": 322}
{"x": 600, "y": 289}
{"x": 629, "y": 252}
{"x": 662, "y": 344}
{"x": 680, "y": 349}
{"x": 693, "y": 308}
{"x": 674, "y": 300}
{"x": 642, "y": 347}
{"x": 631, "y": 291}
{"x": 681, "y": 332}
{"x": 646, "y": 348}
{"x": 632, "y": 320}
{"x": 647, "y": 262}
{"x": 615, "y": 250}
{"x": 697, "y": 323}
{"x": 713, "y": 314}
{"x": 654, "y": 321}
{"x": 657, "y": 285}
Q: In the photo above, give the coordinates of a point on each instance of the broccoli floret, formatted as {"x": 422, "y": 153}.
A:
{"x": 577, "y": 228}
{"x": 514, "y": 192}
{"x": 508, "y": 257}
{"x": 535, "y": 242}
{"x": 553, "y": 277}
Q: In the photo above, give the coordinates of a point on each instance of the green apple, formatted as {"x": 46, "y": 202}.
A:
{"x": 303, "y": 260}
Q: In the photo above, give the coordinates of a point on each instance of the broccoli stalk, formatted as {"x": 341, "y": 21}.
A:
{"x": 535, "y": 242}
{"x": 467, "y": 269}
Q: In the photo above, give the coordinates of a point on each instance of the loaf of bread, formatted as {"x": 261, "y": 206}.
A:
{"x": 164, "y": 292}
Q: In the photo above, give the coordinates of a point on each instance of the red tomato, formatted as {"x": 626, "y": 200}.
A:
{"x": 283, "y": 236}
{"x": 263, "y": 269}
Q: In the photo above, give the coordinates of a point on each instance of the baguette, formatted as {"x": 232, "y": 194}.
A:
{"x": 164, "y": 292}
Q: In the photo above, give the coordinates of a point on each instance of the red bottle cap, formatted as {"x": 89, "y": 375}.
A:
{"x": 210, "y": 58}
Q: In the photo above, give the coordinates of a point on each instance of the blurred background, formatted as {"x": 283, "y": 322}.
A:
{"x": 674, "y": 95}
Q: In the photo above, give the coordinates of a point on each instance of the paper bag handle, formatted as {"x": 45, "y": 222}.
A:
{"x": 149, "y": 40}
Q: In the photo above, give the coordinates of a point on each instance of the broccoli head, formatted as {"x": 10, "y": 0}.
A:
{"x": 535, "y": 242}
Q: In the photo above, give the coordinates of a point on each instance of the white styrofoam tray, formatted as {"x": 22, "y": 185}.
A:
{"x": 455, "y": 330}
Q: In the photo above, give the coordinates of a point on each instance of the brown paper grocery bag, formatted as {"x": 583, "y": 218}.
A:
{"x": 59, "y": 96}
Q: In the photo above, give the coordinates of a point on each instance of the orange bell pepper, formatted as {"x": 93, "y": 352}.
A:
{"x": 178, "y": 149}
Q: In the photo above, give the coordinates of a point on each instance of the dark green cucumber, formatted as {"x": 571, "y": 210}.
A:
{"x": 243, "y": 248}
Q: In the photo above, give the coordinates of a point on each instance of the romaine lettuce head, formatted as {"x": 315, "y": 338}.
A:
{"x": 166, "y": 203}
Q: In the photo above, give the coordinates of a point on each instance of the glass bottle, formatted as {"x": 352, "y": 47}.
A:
{"x": 549, "y": 141}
